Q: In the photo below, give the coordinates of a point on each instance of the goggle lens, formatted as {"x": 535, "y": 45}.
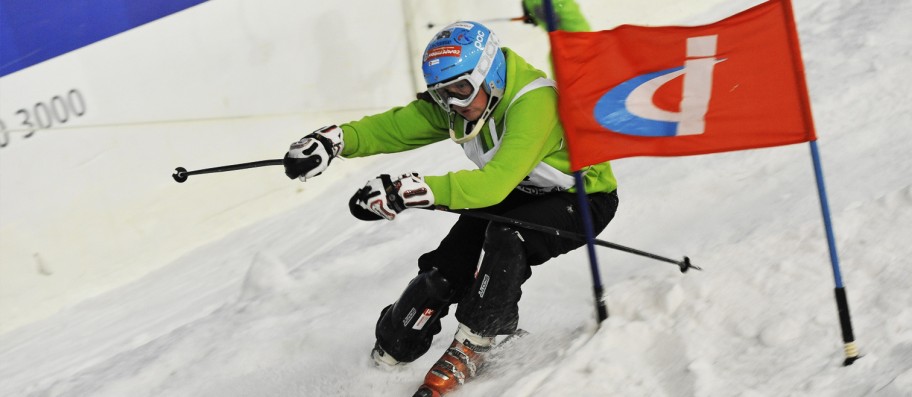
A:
{"x": 459, "y": 92}
{"x": 461, "y": 89}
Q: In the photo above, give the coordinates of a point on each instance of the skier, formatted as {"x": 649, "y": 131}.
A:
{"x": 503, "y": 112}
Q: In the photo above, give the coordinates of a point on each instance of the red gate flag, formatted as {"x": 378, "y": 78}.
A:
{"x": 673, "y": 91}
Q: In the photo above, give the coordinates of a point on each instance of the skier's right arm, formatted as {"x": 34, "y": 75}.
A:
{"x": 396, "y": 130}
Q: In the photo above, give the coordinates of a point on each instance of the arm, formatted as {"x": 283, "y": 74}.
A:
{"x": 399, "y": 129}
{"x": 395, "y": 130}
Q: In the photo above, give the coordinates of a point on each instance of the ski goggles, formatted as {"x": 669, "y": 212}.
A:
{"x": 460, "y": 91}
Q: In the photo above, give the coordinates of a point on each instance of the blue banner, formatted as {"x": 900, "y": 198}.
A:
{"x": 33, "y": 31}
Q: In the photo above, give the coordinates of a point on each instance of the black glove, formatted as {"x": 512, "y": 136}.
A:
{"x": 311, "y": 155}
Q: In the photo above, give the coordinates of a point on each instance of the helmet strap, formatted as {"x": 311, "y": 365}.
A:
{"x": 492, "y": 103}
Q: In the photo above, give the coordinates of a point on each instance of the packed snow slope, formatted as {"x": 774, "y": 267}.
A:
{"x": 286, "y": 307}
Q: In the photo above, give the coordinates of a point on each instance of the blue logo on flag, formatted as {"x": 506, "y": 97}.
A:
{"x": 612, "y": 113}
{"x": 629, "y": 108}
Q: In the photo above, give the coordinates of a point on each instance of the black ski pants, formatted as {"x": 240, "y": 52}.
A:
{"x": 490, "y": 306}
{"x": 482, "y": 266}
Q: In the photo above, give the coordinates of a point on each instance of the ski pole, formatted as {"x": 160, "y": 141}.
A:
{"x": 180, "y": 173}
{"x": 683, "y": 264}
{"x": 523, "y": 18}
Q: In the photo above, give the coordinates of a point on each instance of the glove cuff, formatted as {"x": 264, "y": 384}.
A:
{"x": 359, "y": 211}
{"x": 331, "y": 138}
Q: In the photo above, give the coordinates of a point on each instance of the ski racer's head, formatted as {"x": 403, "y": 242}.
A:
{"x": 462, "y": 60}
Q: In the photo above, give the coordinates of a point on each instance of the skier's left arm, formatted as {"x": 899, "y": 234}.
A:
{"x": 530, "y": 134}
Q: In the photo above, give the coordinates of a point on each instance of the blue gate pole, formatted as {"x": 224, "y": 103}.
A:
{"x": 601, "y": 309}
{"x": 842, "y": 304}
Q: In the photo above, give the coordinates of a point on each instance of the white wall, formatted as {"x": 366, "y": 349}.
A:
{"x": 89, "y": 205}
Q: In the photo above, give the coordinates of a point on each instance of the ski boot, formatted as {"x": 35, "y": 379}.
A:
{"x": 458, "y": 364}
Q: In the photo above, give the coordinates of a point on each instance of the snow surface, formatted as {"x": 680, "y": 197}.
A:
{"x": 286, "y": 307}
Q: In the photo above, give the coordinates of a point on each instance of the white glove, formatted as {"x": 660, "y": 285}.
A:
{"x": 311, "y": 155}
{"x": 383, "y": 198}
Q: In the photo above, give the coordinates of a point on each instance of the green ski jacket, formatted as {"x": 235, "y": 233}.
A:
{"x": 520, "y": 147}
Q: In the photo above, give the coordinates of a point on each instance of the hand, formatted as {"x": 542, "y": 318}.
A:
{"x": 530, "y": 19}
{"x": 311, "y": 155}
{"x": 383, "y": 198}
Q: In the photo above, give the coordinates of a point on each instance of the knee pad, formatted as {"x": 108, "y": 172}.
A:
{"x": 407, "y": 327}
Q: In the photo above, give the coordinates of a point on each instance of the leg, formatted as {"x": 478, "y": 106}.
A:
{"x": 560, "y": 210}
{"x": 489, "y": 309}
{"x": 406, "y": 328}
{"x": 491, "y": 306}
{"x": 457, "y": 255}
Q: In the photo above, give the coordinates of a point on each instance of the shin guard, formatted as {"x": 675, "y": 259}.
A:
{"x": 407, "y": 327}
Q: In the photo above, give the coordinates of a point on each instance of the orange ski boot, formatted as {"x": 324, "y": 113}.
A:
{"x": 458, "y": 364}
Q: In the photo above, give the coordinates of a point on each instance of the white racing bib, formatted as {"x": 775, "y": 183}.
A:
{"x": 543, "y": 178}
